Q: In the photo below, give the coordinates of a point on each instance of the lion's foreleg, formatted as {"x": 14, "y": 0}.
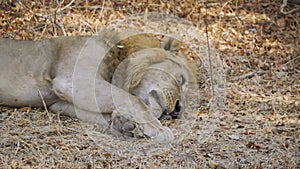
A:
{"x": 92, "y": 98}
{"x": 63, "y": 108}
{"x": 68, "y": 109}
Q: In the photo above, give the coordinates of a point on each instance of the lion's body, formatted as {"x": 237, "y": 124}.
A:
{"x": 24, "y": 69}
{"x": 77, "y": 73}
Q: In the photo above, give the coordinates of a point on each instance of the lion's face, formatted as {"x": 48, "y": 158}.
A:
{"x": 163, "y": 86}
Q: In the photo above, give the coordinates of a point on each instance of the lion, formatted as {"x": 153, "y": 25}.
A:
{"x": 127, "y": 80}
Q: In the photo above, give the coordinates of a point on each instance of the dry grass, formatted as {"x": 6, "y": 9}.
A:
{"x": 260, "y": 127}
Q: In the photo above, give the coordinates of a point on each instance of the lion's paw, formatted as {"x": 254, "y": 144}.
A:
{"x": 160, "y": 133}
{"x": 153, "y": 129}
{"x": 166, "y": 136}
{"x": 125, "y": 126}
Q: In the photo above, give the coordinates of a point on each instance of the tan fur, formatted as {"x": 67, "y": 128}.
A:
{"x": 131, "y": 62}
{"x": 138, "y": 65}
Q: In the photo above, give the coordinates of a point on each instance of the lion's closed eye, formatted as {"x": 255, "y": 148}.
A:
{"x": 182, "y": 80}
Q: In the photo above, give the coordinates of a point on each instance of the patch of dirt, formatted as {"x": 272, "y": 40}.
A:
{"x": 260, "y": 127}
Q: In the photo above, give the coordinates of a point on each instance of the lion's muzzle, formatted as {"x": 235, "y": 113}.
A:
{"x": 169, "y": 101}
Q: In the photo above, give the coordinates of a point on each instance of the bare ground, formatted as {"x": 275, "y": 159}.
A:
{"x": 259, "y": 128}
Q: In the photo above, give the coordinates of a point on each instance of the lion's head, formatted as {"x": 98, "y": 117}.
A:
{"x": 149, "y": 70}
{"x": 159, "y": 78}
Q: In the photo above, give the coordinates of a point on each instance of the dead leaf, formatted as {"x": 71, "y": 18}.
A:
{"x": 14, "y": 164}
{"x": 253, "y": 145}
{"x": 213, "y": 164}
{"x": 23, "y": 123}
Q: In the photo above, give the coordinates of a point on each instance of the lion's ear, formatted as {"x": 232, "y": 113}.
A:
{"x": 171, "y": 43}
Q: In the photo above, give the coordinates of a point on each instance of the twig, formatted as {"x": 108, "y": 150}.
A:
{"x": 74, "y": 130}
{"x": 20, "y": 139}
{"x": 59, "y": 24}
{"x": 209, "y": 55}
{"x": 284, "y": 3}
{"x": 67, "y": 6}
{"x": 18, "y": 147}
{"x": 45, "y": 106}
{"x": 247, "y": 75}
{"x": 30, "y": 11}
{"x": 57, "y": 128}
{"x": 293, "y": 59}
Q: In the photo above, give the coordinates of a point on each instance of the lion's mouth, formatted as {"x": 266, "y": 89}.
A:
{"x": 174, "y": 114}
{"x": 171, "y": 108}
